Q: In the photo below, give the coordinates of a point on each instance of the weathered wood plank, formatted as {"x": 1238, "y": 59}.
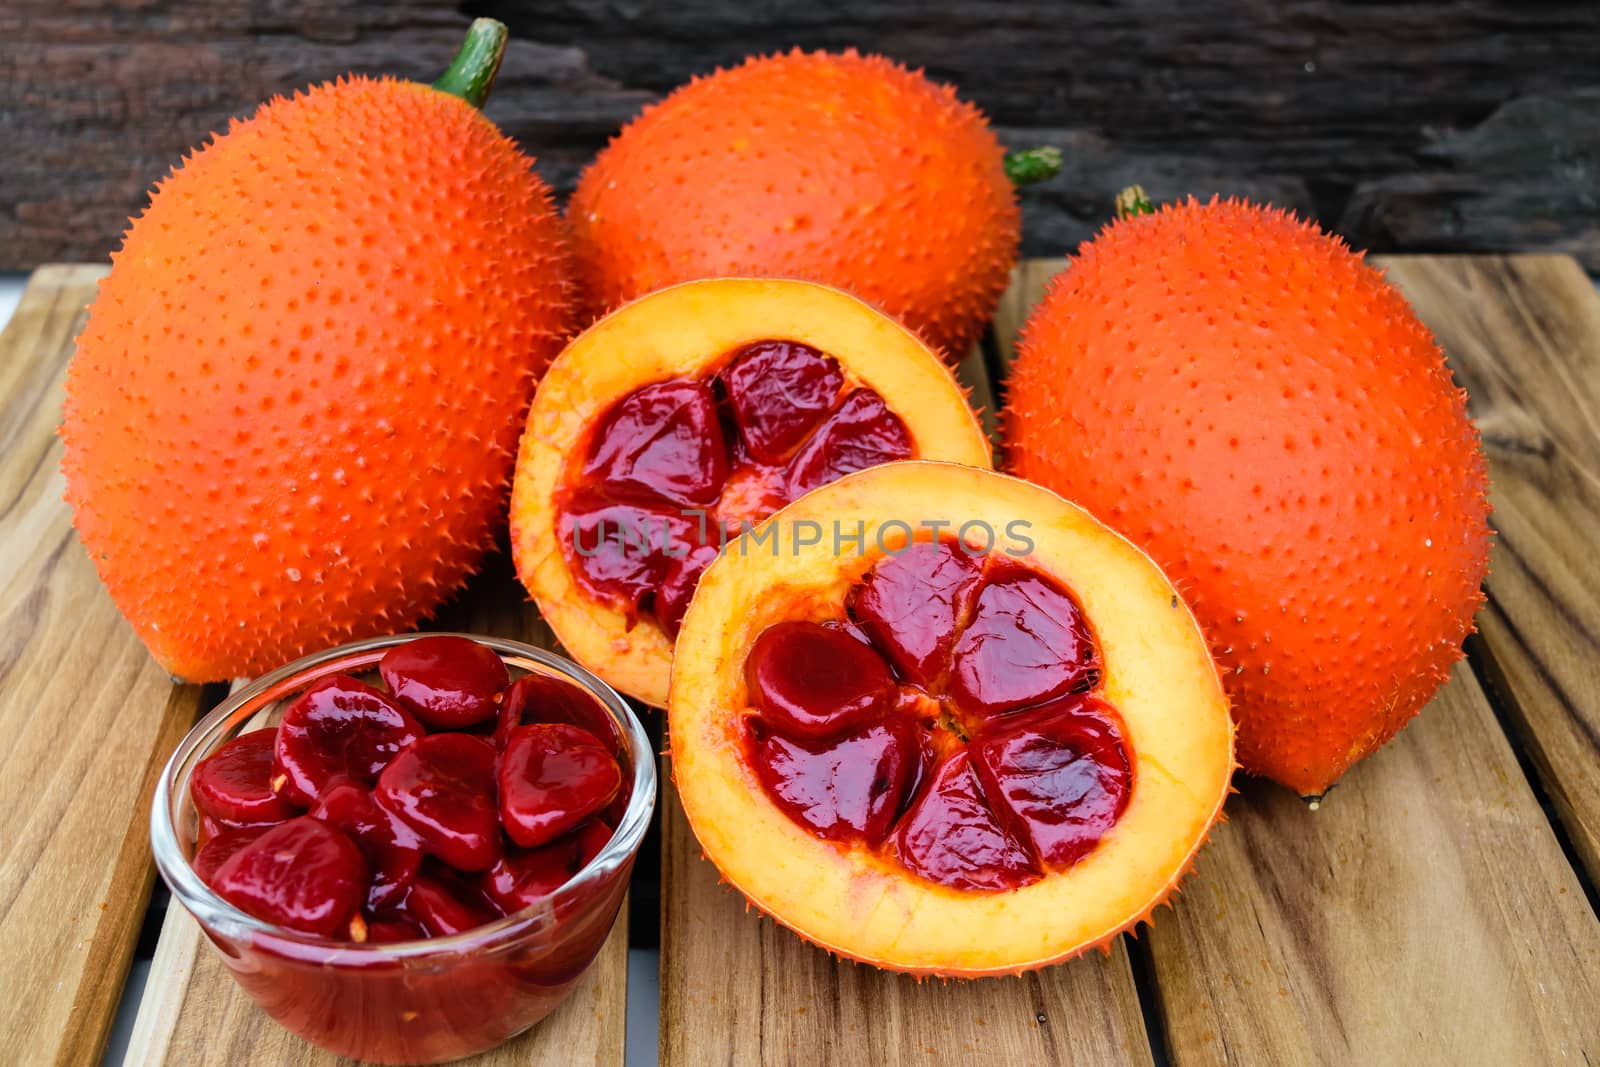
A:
{"x": 1424, "y": 125}
{"x": 1425, "y": 914}
{"x": 1523, "y": 334}
{"x": 195, "y": 1014}
{"x": 87, "y": 716}
{"x": 737, "y": 988}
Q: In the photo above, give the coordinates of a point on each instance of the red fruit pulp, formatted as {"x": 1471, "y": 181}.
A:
{"x": 234, "y": 784}
{"x": 674, "y": 464}
{"x": 552, "y": 777}
{"x": 302, "y": 874}
{"x": 338, "y": 728}
{"x": 946, "y": 722}
{"x": 449, "y": 683}
{"x": 547, "y": 698}
{"x": 442, "y": 787}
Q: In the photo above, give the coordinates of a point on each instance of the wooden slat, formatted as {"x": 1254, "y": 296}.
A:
{"x": 195, "y": 1014}
{"x": 738, "y": 988}
{"x": 87, "y": 716}
{"x": 1424, "y": 914}
{"x": 1523, "y": 334}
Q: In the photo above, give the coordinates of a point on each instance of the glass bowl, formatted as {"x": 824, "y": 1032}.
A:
{"x": 415, "y": 1001}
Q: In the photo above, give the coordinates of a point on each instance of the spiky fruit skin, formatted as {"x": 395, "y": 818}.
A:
{"x": 840, "y": 168}
{"x": 1265, "y": 415}
{"x": 292, "y": 415}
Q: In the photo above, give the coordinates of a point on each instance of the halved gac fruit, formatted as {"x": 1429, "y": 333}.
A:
{"x": 682, "y": 419}
{"x": 974, "y": 732}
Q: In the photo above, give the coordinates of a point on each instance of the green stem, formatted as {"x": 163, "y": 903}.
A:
{"x": 1028, "y": 165}
{"x": 1133, "y": 201}
{"x": 471, "y": 73}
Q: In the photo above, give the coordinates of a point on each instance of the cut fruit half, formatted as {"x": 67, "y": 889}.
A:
{"x": 679, "y": 421}
{"x": 1017, "y": 748}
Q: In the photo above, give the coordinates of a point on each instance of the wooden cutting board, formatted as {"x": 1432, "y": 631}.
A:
{"x": 1439, "y": 907}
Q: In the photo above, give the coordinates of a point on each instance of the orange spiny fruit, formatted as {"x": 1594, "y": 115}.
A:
{"x": 292, "y": 415}
{"x": 840, "y": 168}
{"x": 1265, "y": 415}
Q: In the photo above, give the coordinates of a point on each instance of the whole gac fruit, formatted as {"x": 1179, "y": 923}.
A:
{"x": 292, "y": 415}
{"x": 1264, "y": 414}
{"x": 842, "y": 168}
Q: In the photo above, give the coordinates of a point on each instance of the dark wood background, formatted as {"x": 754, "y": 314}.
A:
{"x": 1412, "y": 126}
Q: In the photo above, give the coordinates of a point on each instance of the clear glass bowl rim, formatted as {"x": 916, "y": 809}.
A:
{"x": 217, "y": 914}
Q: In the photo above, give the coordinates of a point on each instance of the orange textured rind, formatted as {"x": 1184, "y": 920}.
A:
{"x": 291, "y": 417}
{"x": 841, "y": 168}
{"x": 1263, "y": 413}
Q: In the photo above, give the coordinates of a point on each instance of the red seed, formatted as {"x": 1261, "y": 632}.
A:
{"x": 234, "y": 783}
{"x": 912, "y": 606}
{"x": 951, "y": 837}
{"x": 442, "y": 787}
{"x": 807, "y": 679}
{"x": 392, "y": 849}
{"x": 844, "y": 788}
{"x": 778, "y": 391}
{"x": 302, "y": 874}
{"x": 1027, "y": 643}
{"x": 661, "y": 443}
{"x": 552, "y": 777}
{"x": 450, "y": 683}
{"x": 337, "y": 728}
{"x": 862, "y": 433}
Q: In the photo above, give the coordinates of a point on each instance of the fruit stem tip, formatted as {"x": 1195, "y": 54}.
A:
{"x": 1133, "y": 201}
{"x": 1029, "y": 165}
{"x": 471, "y": 74}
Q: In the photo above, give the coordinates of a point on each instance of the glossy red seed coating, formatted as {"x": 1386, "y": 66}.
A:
{"x": 1028, "y": 642}
{"x": 1002, "y": 764}
{"x": 862, "y": 433}
{"x": 661, "y": 443}
{"x": 302, "y": 874}
{"x": 449, "y": 683}
{"x": 221, "y": 844}
{"x": 950, "y": 836}
{"x": 338, "y": 728}
{"x": 911, "y": 606}
{"x": 392, "y": 927}
{"x": 770, "y": 426}
{"x": 445, "y": 904}
{"x": 392, "y": 849}
{"x": 525, "y": 875}
{"x": 677, "y": 586}
{"x": 234, "y": 783}
{"x": 846, "y": 787}
{"x": 807, "y": 679}
{"x": 778, "y": 391}
{"x": 552, "y": 777}
{"x": 621, "y": 551}
{"x": 537, "y": 697}
{"x": 1057, "y": 776}
{"x": 443, "y": 787}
